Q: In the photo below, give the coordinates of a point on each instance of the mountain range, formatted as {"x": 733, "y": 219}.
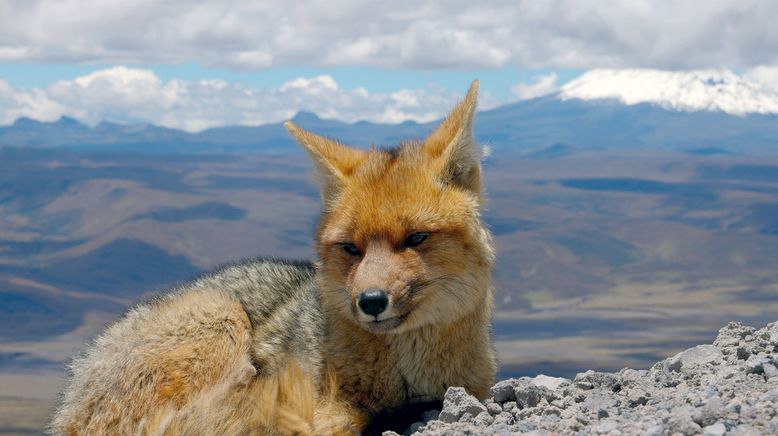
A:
{"x": 561, "y": 121}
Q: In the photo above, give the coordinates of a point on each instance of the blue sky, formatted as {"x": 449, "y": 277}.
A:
{"x": 195, "y": 64}
{"x": 497, "y": 82}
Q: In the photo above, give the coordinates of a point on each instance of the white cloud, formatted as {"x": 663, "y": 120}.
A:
{"x": 130, "y": 95}
{"x": 35, "y": 103}
{"x": 315, "y": 85}
{"x": 711, "y": 90}
{"x": 542, "y": 85}
{"x": 766, "y": 75}
{"x": 399, "y": 34}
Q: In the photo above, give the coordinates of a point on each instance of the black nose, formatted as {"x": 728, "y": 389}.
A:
{"x": 373, "y": 301}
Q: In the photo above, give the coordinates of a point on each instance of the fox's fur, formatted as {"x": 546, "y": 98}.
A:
{"x": 268, "y": 347}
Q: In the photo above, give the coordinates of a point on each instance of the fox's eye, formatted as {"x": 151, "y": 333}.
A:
{"x": 350, "y": 248}
{"x": 415, "y": 239}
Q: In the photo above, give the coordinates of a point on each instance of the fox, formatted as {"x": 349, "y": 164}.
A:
{"x": 395, "y": 309}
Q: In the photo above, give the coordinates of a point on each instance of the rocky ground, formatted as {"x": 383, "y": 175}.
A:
{"x": 727, "y": 388}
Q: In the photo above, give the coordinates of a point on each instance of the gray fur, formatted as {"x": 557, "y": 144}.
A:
{"x": 279, "y": 299}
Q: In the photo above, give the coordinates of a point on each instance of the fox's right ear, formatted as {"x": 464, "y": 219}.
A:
{"x": 453, "y": 147}
{"x": 334, "y": 161}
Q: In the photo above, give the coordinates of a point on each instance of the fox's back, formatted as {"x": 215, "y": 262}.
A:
{"x": 192, "y": 345}
{"x": 282, "y": 305}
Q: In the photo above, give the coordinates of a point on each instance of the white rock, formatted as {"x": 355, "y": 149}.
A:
{"x": 457, "y": 402}
{"x": 552, "y": 383}
{"x": 695, "y": 356}
{"x": 717, "y": 429}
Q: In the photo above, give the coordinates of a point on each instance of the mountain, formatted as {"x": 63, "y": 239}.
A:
{"x": 684, "y": 91}
{"x": 608, "y": 123}
{"x": 578, "y": 117}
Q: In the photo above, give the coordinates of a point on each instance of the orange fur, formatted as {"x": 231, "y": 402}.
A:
{"x": 284, "y": 403}
{"x": 375, "y": 200}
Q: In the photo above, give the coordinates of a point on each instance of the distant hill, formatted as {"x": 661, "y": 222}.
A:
{"x": 558, "y": 126}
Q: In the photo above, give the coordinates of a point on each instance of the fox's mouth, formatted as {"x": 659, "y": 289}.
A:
{"x": 384, "y": 325}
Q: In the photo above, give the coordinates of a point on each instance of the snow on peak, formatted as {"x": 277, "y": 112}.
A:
{"x": 688, "y": 91}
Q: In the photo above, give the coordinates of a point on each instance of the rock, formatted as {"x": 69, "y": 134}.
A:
{"x": 504, "y": 417}
{"x": 552, "y": 383}
{"x": 729, "y": 337}
{"x": 606, "y": 426}
{"x": 709, "y": 413}
{"x": 484, "y": 419}
{"x": 600, "y": 400}
{"x": 439, "y": 428}
{"x": 683, "y": 423}
{"x": 501, "y": 429}
{"x": 755, "y": 364}
{"x": 593, "y": 379}
{"x": 728, "y": 388}
{"x": 734, "y": 406}
{"x": 522, "y": 391}
{"x": 529, "y": 395}
{"x": 413, "y": 428}
{"x": 771, "y": 395}
{"x": 696, "y": 356}
{"x": 493, "y": 408}
{"x": 744, "y": 430}
{"x": 770, "y": 370}
{"x": 457, "y": 402}
{"x": 772, "y": 333}
{"x": 717, "y": 429}
{"x": 503, "y": 391}
{"x": 637, "y": 397}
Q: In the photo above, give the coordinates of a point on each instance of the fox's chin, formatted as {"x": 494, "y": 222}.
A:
{"x": 384, "y": 326}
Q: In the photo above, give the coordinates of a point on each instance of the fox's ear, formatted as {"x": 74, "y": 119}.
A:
{"x": 334, "y": 161}
{"x": 452, "y": 145}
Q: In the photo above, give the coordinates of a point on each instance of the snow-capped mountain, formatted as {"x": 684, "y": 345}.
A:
{"x": 687, "y": 91}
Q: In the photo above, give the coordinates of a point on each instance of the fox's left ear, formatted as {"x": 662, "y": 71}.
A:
{"x": 453, "y": 147}
{"x": 334, "y": 161}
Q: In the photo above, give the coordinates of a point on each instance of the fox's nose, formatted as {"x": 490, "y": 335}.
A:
{"x": 373, "y": 301}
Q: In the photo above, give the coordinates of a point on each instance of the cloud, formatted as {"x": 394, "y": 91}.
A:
{"x": 131, "y": 95}
{"x": 766, "y": 75}
{"x": 316, "y": 85}
{"x": 543, "y": 85}
{"x": 555, "y": 34}
{"x": 696, "y": 90}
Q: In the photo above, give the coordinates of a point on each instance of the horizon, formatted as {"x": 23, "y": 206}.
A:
{"x": 710, "y": 90}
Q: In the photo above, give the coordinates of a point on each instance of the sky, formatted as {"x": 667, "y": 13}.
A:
{"x": 194, "y": 64}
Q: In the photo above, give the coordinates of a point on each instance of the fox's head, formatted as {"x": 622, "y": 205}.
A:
{"x": 400, "y": 239}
